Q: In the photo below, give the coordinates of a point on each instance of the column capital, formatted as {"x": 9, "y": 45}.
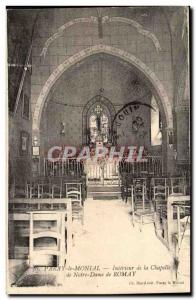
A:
{"x": 182, "y": 108}
{"x": 169, "y": 130}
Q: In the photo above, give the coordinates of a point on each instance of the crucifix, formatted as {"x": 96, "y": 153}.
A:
{"x": 98, "y": 111}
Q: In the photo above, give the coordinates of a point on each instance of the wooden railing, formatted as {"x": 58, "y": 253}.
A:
{"x": 152, "y": 165}
{"x": 63, "y": 168}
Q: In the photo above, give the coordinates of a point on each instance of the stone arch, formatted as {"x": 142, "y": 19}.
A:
{"x": 159, "y": 89}
{"x": 105, "y": 20}
{"x": 96, "y": 99}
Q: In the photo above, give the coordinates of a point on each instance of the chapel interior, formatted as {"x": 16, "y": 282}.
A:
{"x": 90, "y": 78}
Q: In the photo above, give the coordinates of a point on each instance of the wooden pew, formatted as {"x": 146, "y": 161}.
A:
{"x": 181, "y": 238}
{"x": 172, "y": 224}
{"x": 24, "y": 211}
{"x": 58, "y": 234}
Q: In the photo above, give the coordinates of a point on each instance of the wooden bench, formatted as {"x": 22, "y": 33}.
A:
{"x": 26, "y": 211}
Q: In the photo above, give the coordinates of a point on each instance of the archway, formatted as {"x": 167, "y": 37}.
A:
{"x": 156, "y": 85}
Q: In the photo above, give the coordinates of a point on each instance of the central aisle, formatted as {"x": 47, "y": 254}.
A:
{"x": 109, "y": 240}
{"x": 108, "y": 237}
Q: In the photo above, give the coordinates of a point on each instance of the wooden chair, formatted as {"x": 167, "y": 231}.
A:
{"x": 146, "y": 181}
{"x": 127, "y": 182}
{"x": 163, "y": 181}
{"x": 38, "y": 188}
{"x": 183, "y": 223}
{"x": 19, "y": 189}
{"x": 123, "y": 185}
{"x": 142, "y": 210}
{"x": 127, "y": 189}
{"x": 73, "y": 186}
{"x": 56, "y": 187}
{"x": 84, "y": 189}
{"x": 178, "y": 185}
{"x": 140, "y": 181}
{"x": 33, "y": 188}
{"x": 77, "y": 207}
{"x": 76, "y": 185}
{"x": 160, "y": 194}
{"x": 44, "y": 187}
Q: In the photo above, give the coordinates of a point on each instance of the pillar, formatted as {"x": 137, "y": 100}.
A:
{"x": 183, "y": 138}
{"x": 170, "y": 150}
{"x": 183, "y": 134}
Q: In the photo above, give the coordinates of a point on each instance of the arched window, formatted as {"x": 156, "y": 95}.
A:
{"x": 97, "y": 118}
{"x": 156, "y": 124}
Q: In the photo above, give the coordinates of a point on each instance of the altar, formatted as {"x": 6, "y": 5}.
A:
{"x": 102, "y": 172}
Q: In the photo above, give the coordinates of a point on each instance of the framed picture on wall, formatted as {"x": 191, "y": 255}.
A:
{"x": 25, "y": 106}
{"x": 24, "y": 143}
{"x": 35, "y": 150}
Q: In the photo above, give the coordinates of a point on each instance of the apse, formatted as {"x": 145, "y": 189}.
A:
{"x": 71, "y": 102}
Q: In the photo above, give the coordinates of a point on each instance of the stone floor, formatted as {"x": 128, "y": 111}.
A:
{"x": 108, "y": 239}
{"x": 120, "y": 258}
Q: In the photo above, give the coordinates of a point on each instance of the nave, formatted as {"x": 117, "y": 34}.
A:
{"x": 99, "y": 150}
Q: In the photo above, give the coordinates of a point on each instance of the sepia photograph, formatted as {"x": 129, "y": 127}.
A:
{"x": 99, "y": 150}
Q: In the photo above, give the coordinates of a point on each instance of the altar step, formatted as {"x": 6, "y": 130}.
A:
{"x": 112, "y": 181}
{"x": 103, "y": 192}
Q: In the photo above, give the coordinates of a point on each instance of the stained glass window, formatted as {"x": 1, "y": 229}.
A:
{"x": 99, "y": 125}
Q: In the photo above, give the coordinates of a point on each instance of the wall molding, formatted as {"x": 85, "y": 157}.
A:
{"x": 105, "y": 20}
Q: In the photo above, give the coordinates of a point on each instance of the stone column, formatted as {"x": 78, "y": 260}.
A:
{"x": 171, "y": 164}
{"x": 183, "y": 133}
{"x": 183, "y": 139}
{"x": 35, "y": 163}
